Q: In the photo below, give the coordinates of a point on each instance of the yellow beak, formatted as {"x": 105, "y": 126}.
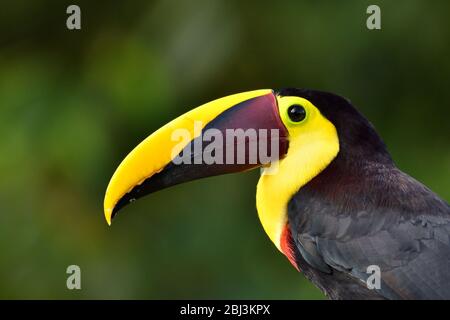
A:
{"x": 146, "y": 168}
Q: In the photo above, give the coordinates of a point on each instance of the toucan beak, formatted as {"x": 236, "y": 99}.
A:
{"x": 231, "y": 134}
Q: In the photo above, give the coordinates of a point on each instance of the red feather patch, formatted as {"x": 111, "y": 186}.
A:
{"x": 286, "y": 246}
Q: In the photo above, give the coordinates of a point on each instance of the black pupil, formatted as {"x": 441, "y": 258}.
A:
{"x": 296, "y": 113}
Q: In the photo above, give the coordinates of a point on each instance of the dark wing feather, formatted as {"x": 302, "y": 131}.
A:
{"x": 383, "y": 218}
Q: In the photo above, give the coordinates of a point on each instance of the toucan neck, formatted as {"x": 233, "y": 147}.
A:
{"x": 345, "y": 176}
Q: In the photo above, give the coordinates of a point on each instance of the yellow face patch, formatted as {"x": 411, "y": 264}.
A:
{"x": 313, "y": 144}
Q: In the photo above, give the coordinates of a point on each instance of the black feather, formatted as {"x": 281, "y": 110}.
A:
{"x": 361, "y": 211}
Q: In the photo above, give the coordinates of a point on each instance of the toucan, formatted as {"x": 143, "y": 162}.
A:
{"x": 329, "y": 197}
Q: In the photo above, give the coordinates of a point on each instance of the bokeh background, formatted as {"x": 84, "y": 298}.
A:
{"x": 74, "y": 103}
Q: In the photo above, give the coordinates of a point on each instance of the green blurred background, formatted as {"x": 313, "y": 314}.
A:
{"x": 74, "y": 103}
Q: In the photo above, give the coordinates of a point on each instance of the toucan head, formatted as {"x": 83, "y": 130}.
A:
{"x": 292, "y": 134}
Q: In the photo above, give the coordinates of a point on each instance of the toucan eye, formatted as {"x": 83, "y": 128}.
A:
{"x": 296, "y": 113}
